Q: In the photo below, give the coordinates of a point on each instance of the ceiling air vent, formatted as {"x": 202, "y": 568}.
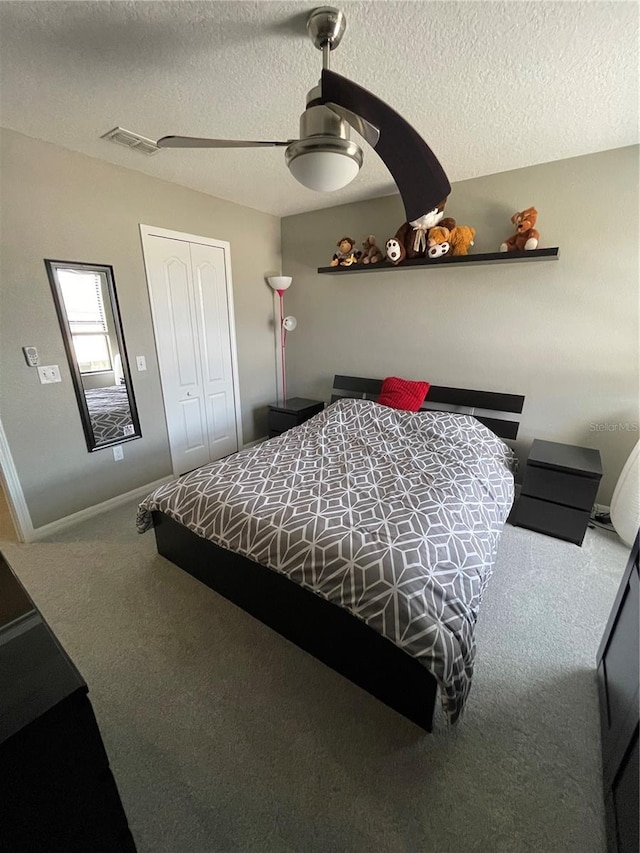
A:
{"x": 131, "y": 140}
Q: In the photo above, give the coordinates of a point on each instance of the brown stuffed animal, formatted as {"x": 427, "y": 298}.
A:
{"x": 396, "y": 251}
{"x": 345, "y": 256}
{"x": 450, "y": 241}
{"x": 413, "y": 235}
{"x": 438, "y": 242}
{"x": 461, "y": 237}
{"x": 415, "y": 240}
{"x": 400, "y": 246}
{"x": 526, "y": 236}
{"x": 371, "y": 253}
{"x": 447, "y": 222}
{"x": 407, "y": 239}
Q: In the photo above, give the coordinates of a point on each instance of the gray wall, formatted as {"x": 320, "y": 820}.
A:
{"x": 63, "y": 205}
{"x": 564, "y": 333}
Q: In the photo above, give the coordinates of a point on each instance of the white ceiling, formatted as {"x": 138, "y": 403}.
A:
{"x": 490, "y": 86}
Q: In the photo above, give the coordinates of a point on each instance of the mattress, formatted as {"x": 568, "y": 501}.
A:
{"x": 394, "y": 516}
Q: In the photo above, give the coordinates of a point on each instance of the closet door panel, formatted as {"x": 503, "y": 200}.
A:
{"x": 210, "y": 287}
{"x": 180, "y": 317}
{"x": 194, "y": 438}
{"x": 177, "y": 343}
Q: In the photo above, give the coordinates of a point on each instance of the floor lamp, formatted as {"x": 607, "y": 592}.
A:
{"x": 280, "y": 283}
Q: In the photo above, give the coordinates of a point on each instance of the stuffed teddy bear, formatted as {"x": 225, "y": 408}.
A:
{"x": 371, "y": 252}
{"x": 450, "y": 241}
{"x": 410, "y": 240}
{"x": 403, "y": 244}
{"x": 413, "y": 235}
{"x": 461, "y": 237}
{"x": 438, "y": 242}
{"x": 526, "y": 236}
{"x": 345, "y": 256}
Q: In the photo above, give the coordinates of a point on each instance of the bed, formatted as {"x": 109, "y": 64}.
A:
{"x": 109, "y": 412}
{"x": 366, "y": 536}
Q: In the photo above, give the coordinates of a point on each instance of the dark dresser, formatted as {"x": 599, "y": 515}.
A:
{"x": 291, "y": 413}
{"x": 618, "y": 663}
{"x": 558, "y": 490}
{"x": 57, "y": 793}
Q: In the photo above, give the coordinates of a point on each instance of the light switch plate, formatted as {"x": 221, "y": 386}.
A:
{"x": 141, "y": 361}
{"x": 118, "y": 452}
{"x": 49, "y": 373}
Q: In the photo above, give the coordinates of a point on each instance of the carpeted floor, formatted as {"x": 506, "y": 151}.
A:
{"x": 224, "y": 737}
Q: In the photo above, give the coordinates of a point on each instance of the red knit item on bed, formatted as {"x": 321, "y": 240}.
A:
{"x": 403, "y": 394}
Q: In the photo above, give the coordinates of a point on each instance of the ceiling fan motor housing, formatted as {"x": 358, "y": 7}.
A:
{"x": 322, "y": 121}
{"x": 312, "y": 159}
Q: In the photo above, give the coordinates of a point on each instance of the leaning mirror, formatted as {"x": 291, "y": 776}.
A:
{"x": 87, "y": 308}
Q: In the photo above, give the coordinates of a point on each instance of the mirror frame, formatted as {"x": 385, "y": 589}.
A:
{"x": 51, "y": 267}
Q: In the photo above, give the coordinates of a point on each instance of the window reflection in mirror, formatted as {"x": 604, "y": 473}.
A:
{"x": 87, "y": 307}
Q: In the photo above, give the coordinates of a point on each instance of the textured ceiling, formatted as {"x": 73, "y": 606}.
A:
{"x": 490, "y": 86}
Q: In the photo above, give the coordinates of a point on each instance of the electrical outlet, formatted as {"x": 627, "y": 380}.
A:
{"x": 49, "y": 373}
{"x": 141, "y": 362}
{"x": 118, "y": 452}
{"x": 31, "y": 356}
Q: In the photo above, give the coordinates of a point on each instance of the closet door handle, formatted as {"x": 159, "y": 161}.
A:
{"x": 189, "y": 393}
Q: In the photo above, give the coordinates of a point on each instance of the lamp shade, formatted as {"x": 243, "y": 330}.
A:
{"x": 625, "y": 503}
{"x": 280, "y": 282}
{"x": 289, "y": 323}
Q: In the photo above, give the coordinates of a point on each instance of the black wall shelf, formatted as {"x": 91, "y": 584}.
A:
{"x": 487, "y": 258}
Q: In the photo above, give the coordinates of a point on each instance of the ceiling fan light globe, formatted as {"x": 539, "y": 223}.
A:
{"x": 324, "y": 163}
{"x": 324, "y": 171}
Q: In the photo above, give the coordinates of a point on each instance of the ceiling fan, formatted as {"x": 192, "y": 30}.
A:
{"x": 325, "y": 158}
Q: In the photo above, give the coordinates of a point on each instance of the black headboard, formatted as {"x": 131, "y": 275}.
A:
{"x": 440, "y": 396}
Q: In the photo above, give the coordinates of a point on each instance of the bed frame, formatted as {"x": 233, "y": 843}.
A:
{"x": 493, "y": 404}
{"x": 329, "y": 633}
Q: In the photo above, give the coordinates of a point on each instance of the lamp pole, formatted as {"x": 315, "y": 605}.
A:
{"x": 283, "y": 340}
{"x": 280, "y": 283}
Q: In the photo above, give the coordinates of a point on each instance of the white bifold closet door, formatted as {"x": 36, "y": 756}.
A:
{"x": 191, "y": 317}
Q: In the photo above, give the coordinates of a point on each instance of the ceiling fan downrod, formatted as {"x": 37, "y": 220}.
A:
{"x": 326, "y": 26}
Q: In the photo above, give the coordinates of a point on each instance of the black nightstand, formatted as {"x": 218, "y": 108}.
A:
{"x": 559, "y": 490}
{"x": 293, "y": 412}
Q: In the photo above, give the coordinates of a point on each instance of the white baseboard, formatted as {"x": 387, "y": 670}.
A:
{"x": 22, "y": 519}
{"x": 89, "y": 512}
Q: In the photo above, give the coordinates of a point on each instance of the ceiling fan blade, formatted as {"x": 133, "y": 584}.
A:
{"x": 418, "y": 175}
{"x": 199, "y": 142}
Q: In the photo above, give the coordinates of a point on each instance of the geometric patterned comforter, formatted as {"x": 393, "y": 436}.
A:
{"x": 109, "y": 412}
{"x": 394, "y": 516}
